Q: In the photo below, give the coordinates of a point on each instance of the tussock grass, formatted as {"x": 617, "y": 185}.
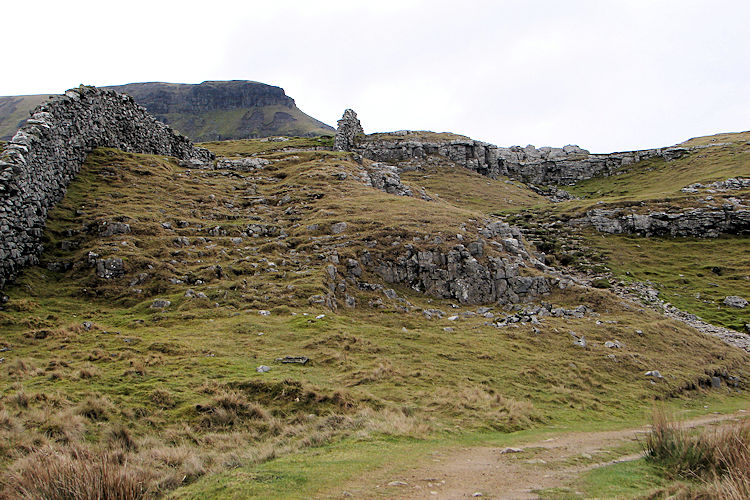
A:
{"x": 719, "y": 458}
{"x": 76, "y": 473}
{"x": 175, "y": 391}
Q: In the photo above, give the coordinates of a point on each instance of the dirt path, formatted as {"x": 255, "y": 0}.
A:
{"x": 490, "y": 473}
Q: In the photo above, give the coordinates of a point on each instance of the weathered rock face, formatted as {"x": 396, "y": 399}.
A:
{"x": 386, "y": 178}
{"x": 731, "y": 184}
{"x": 46, "y": 154}
{"x": 543, "y": 166}
{"x": 696, "y": 223}
{"x": 348, "y": 130}
{"x": 568, "y": 165}
{"x": 487, "y": 270}
{"x": 457, "y": 274}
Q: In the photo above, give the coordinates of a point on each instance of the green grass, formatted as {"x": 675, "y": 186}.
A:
{"x": 717, "y": 138}
{"x": 251, "y": 147}
{"x": 183, "y": 380}
{"x": 623, "y": 480}
{"x": 693, "y": 274}
{"x": 360, "y": 465}
{"x": 464, "y": 188}
{"x": 274, "y": 120}
{"x": 656, "y": 179}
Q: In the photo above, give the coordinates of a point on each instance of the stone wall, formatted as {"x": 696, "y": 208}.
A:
{"x": 43, "y": 157}
{"x": 542, "y": 166}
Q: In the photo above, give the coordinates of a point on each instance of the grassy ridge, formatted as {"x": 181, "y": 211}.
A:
{"x": 657, "y": 179}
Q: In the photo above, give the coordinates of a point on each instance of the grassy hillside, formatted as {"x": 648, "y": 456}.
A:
{"x": 173, "y": 393}
{"x": 693, "y": 274}
{"x": 732, "y": 137}
{"x": 15, "y": 110}
{"x": 265, "y": 121}
{"x": 658, "y": 180}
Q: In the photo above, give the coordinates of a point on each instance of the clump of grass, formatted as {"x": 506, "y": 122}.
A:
{"x": 489, "y": 407}
{"x": 229, "y": 408}
{"x": 64, "y": 427}
{"x": 76, "y": 473}
{"x": 95, "y": 408}
{"x": 87, "y": 372}
{"x": 678, "y": 451}
{"x": 119, "y": 436}
{"x": 162, "y": 398}
{"x": 720, "y": 458}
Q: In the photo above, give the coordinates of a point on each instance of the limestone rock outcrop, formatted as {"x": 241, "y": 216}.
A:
{"x": 542, "y": 166}
{"x": 47, "y": 152}
{"x": 494, "y": 268}
{"x": 695, "y": 222}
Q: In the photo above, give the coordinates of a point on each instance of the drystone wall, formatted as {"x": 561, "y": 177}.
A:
{"x": 43, "y": 157}
{"x": 542, "y": 166}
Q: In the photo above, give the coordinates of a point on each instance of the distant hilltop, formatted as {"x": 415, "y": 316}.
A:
{"x": 209, "y": 111}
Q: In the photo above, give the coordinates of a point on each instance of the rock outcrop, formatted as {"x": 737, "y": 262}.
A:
{"x": 568, "y": 165}
{"x": 494, "y": 268}
{"x": 543, "y": 166}
{"x": 695, "y": 222}
{"x": 45, "y": 155}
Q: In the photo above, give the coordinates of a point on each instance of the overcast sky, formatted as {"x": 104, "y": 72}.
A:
{"x": 607, "y": 75}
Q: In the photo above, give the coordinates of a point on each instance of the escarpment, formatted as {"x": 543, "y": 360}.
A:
{"x": 47, "y": 152}
{"x": 542, "y": 166}
{"x": 691, "y": 223}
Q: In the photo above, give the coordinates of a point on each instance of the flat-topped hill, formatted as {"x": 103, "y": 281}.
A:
{"x": 212, "y": 110}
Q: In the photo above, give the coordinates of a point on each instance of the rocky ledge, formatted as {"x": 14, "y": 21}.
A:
{"x": 495, "y": 267}
{"x": 541, "y": 166}
{"x": 694, "y": 223}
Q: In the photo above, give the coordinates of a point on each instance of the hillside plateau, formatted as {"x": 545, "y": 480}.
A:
{"x": 304, "y": 317}
{"x": 213, "y": 110}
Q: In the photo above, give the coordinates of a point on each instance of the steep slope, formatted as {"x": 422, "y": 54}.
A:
{"x": 206, "y": 111}
{"x": 166, "y": 293}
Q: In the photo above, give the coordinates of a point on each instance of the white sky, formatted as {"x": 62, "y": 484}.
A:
{"x": 605, "y": 74}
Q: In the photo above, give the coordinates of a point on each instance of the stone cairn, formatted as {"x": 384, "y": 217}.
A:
{"x": 348, "y": 130}
{"x": 48, "y": 150}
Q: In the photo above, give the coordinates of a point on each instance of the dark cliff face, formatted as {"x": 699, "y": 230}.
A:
{"x": 165, "y": 98}
{"x": 209, "y": 111}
